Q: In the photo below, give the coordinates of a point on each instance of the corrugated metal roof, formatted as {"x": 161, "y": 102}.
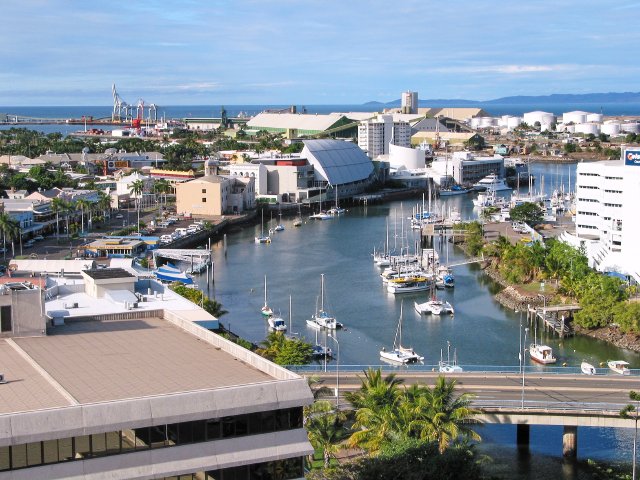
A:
{"x": 294, "y": 121}
{"x": 337, "y": 161}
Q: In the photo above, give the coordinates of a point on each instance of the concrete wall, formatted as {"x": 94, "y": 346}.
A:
{"x": 27, "y": 313}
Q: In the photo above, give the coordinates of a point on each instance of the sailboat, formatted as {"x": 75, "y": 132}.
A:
{"x": 448, "y": 366}
{"x": 279, "y": 227}
{"x": 321, "y": 215}
{"x": 262, "y": 238}
{"x": 336, "y": 210}
{"x": 266, "y": 309}
{"x": 400, "y": 354}
{"x": 320, "y": 350}
{"x": 322, "y": 319}
{"x": 298, "y": 221}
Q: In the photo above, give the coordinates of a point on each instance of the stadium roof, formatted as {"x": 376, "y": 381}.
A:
{"x": 337, "y": 161}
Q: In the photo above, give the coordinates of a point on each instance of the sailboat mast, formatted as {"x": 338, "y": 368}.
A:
{"x": 265, "y": 290}
{"x": 290, "y": 317}
{"x": 322, "y": 292}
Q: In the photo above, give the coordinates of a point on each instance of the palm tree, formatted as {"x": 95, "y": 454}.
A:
{"x": 326, "y": 431}
{"x": 444, "y": 417}
{"x": 162, "y": 186}
{"x": 375, "y": 390}
{"x": 10, "y": 229}
{"x": 103, "y": 203}
{"x": 136, "y": 188}
{"x": 57, "y": 206}
{"x": 83, "y": 204}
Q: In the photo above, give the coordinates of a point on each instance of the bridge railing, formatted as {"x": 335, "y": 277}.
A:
{"x": 332, "y": 367}
{"x": 513, "y": 406}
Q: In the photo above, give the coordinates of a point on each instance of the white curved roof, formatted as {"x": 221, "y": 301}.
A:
{"x": 337, "y": 161}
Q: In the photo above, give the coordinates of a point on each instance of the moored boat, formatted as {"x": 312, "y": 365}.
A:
{"x": 542, "y": 354}
{"x": 167, "y": 273}
{"x": 322, "y": 319}
{"x": 449, "y": 366}
{"x": 587, "y": 368}
{"x": 491, "y": 182}
{"x": 408, "y": 284}
{"x": 619, "y": 366}
{"x": 400, "y": 354}
{"x": 276, "y": 323}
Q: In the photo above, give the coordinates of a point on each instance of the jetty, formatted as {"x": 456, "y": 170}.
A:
{"x": 556, "y": 318}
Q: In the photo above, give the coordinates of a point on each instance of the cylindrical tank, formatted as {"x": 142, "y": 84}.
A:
{"x": 594, "y": 117}
{"x": 610, "y": 128}
{"x": 588, "y": 128}
{"x": 545, "y": 127}
{"x": 513, "y": 122}
{"x": 575, "y": 117}
{"x": 530, "y": 118}
{"x": 630, "y": 127}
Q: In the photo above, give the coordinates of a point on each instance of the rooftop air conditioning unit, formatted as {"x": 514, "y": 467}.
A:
{"x": 75, "y": 305}
{"x": 134, "y": 305}
{"x": 2, "y": 380}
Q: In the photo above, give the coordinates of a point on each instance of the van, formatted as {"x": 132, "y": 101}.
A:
{"x": 181, "y": 231}
{"x": 166, "y": 239}
{"x": 196, "y": 226}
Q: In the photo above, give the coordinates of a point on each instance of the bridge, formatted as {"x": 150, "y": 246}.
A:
{"x": 506, "y": 396}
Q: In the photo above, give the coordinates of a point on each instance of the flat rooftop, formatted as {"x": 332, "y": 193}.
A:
{"x": 99, "y": 361}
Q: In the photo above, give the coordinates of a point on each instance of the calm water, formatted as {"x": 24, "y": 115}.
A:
{"x": 482, "y": 331}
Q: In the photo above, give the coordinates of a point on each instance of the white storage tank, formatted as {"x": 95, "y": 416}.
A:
{"x": 513, "y": 122}
{"x": 610, "y": 128}
{"x": 594, "y": 117}
{"x": 530, "y": 118}
{"x": 588, "y": 128}
{"x": 630, "y": 127}
{"x": 575, "y": 117}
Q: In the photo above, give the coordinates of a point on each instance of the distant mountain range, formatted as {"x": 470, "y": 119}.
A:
{"x": 557, "y": 98}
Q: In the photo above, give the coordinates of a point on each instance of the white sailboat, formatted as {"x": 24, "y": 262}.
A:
{"x": 321, "y": 319}
{"x": 336, "y": 210}
{"x": 448, "y": 366}
{"x": 266, "y": 310}
{"x": 400, "y": 354}
{"x": 321, "y": 215}
{"x": 262, "y": 238}
{"x": 298, "y": 221}
{"x": 279, "y": 227}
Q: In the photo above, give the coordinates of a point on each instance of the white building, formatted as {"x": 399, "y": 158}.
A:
{"x": 606, "y": 214}
{"x": 375, "y": 135}
{"x": 409, "y": 102}
{"x": 466, "y": 168}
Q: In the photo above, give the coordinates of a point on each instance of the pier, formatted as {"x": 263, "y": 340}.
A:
{"x": 550, "y": 321}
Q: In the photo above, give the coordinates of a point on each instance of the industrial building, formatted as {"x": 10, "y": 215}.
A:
{"x": 106, "y": 376}
{"x": 606, "y": 217}
{"x": 296, "y": 125}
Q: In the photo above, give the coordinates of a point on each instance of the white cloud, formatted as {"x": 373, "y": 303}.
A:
{"x": 503, "y": 69}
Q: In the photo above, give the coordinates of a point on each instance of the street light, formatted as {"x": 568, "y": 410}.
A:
{"x": 337, "y": 371}
{"x": 520, "y": 342}
{"x": 626, "y": 413}
{"x": 524, "y": 345}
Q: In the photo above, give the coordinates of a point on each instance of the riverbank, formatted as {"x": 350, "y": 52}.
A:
{"x": 516, "y": 299}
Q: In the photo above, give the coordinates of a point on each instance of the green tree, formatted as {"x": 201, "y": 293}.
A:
{"x": 526, "y": 212}
{"x": 286, "y": 351}
{"x": 84, "y": 205}
{"x": 570, "y": 148}
{"x": 10, "y": 230}
{"x": 136, "y": 188}
{"x": 326, "y": 430}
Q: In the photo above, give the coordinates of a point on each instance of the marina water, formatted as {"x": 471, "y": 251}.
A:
{"x": 484, "y": 333}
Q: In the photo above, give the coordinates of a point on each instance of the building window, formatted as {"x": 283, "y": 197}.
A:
{"x": 204, "y": 190}
{"x": 204, "y": 199}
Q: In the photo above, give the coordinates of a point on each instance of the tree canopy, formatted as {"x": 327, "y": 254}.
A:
{"x": 528, "y": 212}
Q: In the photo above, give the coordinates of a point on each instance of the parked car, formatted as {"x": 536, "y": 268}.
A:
{"x": 37, "y": 238}
{"x": 119, "y": 216}
{"x": 28, "y": 244}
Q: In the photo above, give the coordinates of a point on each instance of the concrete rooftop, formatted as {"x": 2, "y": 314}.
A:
{"x": 97, "y": 361}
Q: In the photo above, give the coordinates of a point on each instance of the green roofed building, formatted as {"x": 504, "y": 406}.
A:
{"x": 294, "y": 125}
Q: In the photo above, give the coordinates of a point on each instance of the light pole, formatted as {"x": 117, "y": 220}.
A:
{"x": 626, "y": 413}
{"x": 520, "y": 343}
{"x": 337, "y": 371}
{"x": 524, "y": 346}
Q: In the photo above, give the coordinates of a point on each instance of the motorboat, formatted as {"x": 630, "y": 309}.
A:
{"x": 491, "y": 183}
{"x": 276, "y": 323}
{"x": 542, "y": 354}
{"x": 619, "y": 366}
{"x": 400, "y": 354}
{"x": 169, "y": 273}
{"x": 587, "y": 368}
{"x": 445, "y": 277}
{"x": 454, "y": 190}
{"x": 321, "y": 351}
{"x": 408, "y": 284}
{"x": 298, "y": 221}
{"x": 278, "y": 228}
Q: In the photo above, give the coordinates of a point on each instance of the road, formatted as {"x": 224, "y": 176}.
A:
{"x": 557, "y": 391}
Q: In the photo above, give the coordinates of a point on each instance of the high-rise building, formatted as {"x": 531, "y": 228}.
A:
{"x": 409, "y": 102}
{"x": 375, "y": 135}
{"x": 606, "y": 215}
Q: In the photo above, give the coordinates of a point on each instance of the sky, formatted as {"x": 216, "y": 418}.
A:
{"x": 312, "y": 52}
